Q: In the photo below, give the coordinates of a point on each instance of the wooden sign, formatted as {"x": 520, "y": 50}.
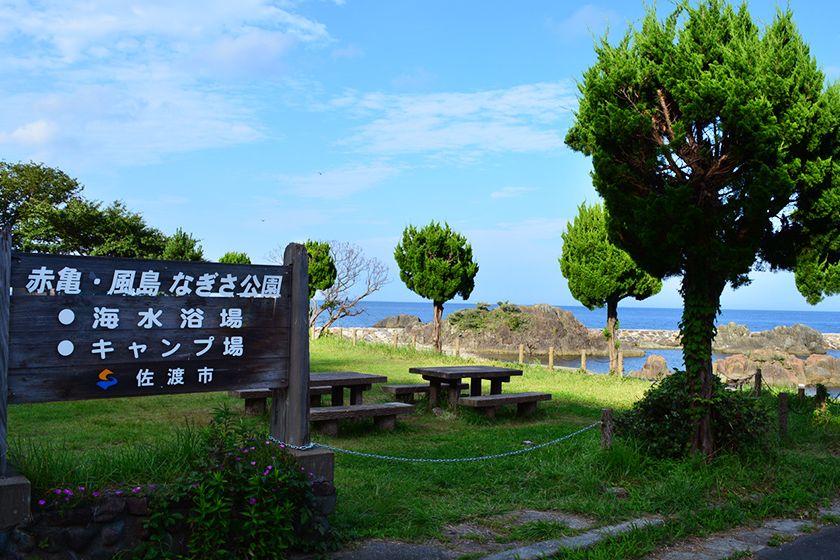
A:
{"x": 89, "y": 327}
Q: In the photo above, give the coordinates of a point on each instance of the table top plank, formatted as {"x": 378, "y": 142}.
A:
{"x": 344, "y": 378}
{"x": 459, "y": 372}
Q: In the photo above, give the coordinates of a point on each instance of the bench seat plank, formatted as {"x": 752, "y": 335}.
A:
{"x": 504, "y": 398}
{"x": 359, "y": 411}
{"x": 526, "y": 402}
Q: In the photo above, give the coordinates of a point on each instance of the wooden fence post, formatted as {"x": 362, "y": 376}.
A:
{"x": 821, "y": 396}
{"x": 606, "y": 428}
{"x": 551, "y": 357}
{"x": 800, "y": 392}
{"x": 396, "y": 338}
{"x": 458, "y": 346}
{"x": 355, "y": 336}
{"x": 783, "y": 414}
{"x": 414, "y": 342}
{"x": 620, "y": 371}
{"x": 521, "y": 353}
{"x": 757, "y": 384}
{"x": 583, "y": 360}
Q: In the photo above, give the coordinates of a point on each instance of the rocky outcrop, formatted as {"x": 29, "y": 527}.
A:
{"x": 397, "y": 322}
{"x": 780, "y": 368}
{"x": 800, "y": 340}
{"x": 655, "y": 368}
{"x": 537, "y": 327}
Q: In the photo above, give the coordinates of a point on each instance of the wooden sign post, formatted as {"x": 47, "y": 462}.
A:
{"x": 94, "y": 328}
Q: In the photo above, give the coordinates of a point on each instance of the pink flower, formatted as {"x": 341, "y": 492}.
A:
{"x": 42, "y": 502}
{"x": 253, "y": 463}
{"x": 96, "y": 493}
{"x": 252, "y": 501}
{"x": 135, "y": 490}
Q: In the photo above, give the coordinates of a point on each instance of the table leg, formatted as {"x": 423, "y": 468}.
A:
{"x": 356, "y": 395}
{"x": 454, "y": 393}
{"x": 475, "y": 387}
{"x": 337, "y": 395}
{"x": 434, "y": 392}
{"x": 495, "y": 386}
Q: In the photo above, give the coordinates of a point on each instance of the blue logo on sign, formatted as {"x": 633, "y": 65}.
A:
{"x": 105, "y": 382}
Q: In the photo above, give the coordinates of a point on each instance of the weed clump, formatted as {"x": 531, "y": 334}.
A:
{"x": 662, "y": 420}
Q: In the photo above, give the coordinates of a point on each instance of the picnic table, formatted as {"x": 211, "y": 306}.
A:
{"x": 451, "y": 377}
{"x": 356, "y": 382}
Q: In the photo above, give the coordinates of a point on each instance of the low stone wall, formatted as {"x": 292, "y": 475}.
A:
{"x": 95, "y": 532}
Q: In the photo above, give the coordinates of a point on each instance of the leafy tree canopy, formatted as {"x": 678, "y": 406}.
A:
{"x": 235, "y": 257}
{"x": 598, "y": 272}
{"x": 24, "y": 186}
{"x": 436, "y": 263}
{"x": 181, "y": 246}
{"x": 705, "y": 134}
{"x": 322, "y": 270}
{"x": 85, "y": 227}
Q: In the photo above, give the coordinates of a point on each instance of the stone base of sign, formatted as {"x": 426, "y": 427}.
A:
{"x": 15, "y": 492}
{"x": 319, "y": 466}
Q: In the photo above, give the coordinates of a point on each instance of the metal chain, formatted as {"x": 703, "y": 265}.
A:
{"x": 455, "y": 460}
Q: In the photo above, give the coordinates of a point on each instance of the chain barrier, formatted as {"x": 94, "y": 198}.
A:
{"x": 421, "y": 460}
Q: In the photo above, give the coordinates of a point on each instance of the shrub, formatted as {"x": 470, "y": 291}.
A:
{"x": 246, "y": 497}
{"x": 662, "y": 420}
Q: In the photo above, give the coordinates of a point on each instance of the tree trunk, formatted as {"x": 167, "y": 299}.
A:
{"x": 701, "y": 303}
{"x": 612, "y": 335}
{"x": 436, "y": 325}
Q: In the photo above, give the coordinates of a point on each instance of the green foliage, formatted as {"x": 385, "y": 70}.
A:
{"x": 24, "y": 186}
{"x": 597, "y": 271}
{"x": 245, "y": 498}
{"x": 436, "y": 263}
{"x": 181, "y": 246}
{"x": 706, "y": 133}
{"x": 322, "y": 269}
{"x": 662, "y": 421}
{"x": 85, "y": 227}
{"x": 483, "y": 318}
{"x": 235, "y": 257}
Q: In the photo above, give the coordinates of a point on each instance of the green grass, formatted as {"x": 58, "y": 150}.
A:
{"x": 128, "y": 441}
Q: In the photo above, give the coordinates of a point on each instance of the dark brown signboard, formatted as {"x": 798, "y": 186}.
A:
{"x": 88, "y": 327}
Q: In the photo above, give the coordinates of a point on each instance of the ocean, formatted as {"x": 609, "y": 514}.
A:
{"x": 629, "y": 318}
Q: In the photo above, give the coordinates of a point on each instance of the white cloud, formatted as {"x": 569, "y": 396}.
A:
{"x": 510, "y": 192}
{"x": 130, "y": 82}
{"x": 586, "y": 21}
{"x": 338, "y": 183}
{"x": 523, "y": 118}
{"x": 36, "y": 132}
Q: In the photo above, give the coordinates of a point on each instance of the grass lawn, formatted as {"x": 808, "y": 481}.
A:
{"x": 136, "y": 441}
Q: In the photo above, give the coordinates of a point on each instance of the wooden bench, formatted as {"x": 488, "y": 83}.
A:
{"x": 325, "y": 418}
{"x": 405, "y": 393}
{"x": 255, "y": 398}
{"x": 526, "y": 403}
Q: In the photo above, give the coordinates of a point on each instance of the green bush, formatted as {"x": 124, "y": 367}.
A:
{"x": 246, "y": 497}
{"x": 661, "y": 421}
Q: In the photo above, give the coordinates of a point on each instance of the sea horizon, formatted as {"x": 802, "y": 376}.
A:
{"x": 629, "y": 317}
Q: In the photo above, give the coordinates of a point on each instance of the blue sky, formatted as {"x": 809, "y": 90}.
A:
{"x": 253, "y": 123}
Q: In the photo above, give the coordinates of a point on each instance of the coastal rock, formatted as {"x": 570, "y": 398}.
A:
{"x": 502, "y": 329}
{"x": 649, "y": 338}
{"x": 822, "y": 369}
{"x": 397, "y": 321}
{"x": 800, "y": 340}
{"x": 654, "y": 369}
{"x": 777, "y": 368}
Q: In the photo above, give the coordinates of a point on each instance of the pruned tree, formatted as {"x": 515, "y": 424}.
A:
{"x": 599, "y": 273}
{"x": 322, "y": 271}
{"x": 235, "y": 257}
{"x": 706, "y": 135}
{"x": 181, "y": 246}
{"x": 436, "y": 263}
